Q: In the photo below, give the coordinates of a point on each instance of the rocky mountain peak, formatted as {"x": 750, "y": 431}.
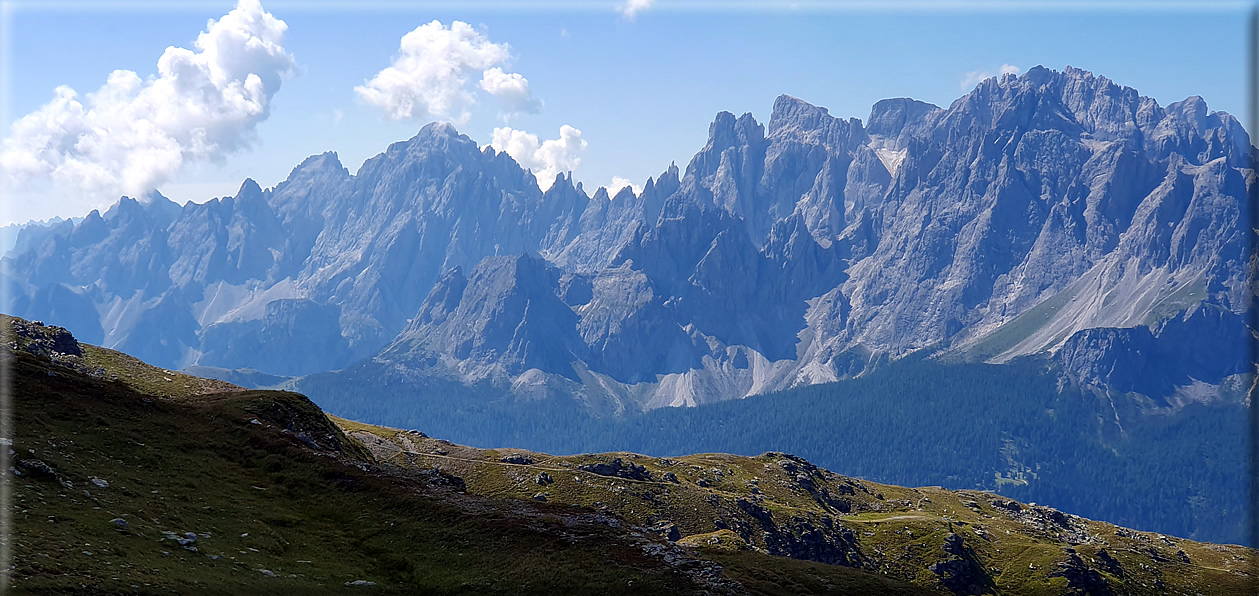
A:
{"x": 316, "y": 164}
{"x": 125, "y": 205}
{"x": 153, "y": 196}
{"x": 564, "y": 188}
{"x": 726, "y": 131}
{"x": 660, "y": 187}
{"x": 669, "y": 177}
{"x": 812, "y": 252}
{"x": 889, "y": 117}
{"x": 436, "y": 130}
{"x": 626, "y": 193}
{"x": 249, "y": 191}
{"x": 151, "y": 207}
{"x": 504, "y": 317}
{"x": 1074, "y": 101}
{"x": 1192, "y": 110}
{"x": 435, "y": 138}
{"x": 793, "y": 112}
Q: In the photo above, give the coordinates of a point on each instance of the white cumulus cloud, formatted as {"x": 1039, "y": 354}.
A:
{"x": 630, "y": 8}
{"x": 133, "y": 134}
{"x": 974, "y": 77}
{"x": 546, "y": 159}
{"x": 430, "y": 75}
{"x": 618, "y": 183}
{"x": 511, "y": 89}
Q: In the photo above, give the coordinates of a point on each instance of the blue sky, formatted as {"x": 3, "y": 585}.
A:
{"x": 641, "y": 91}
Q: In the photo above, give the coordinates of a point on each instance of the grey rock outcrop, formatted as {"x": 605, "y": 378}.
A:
{"x": 1052, "y": 213}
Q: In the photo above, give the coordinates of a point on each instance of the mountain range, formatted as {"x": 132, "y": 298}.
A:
{"x": 1042, "y": 290}
{"x": 1053, "y": 214}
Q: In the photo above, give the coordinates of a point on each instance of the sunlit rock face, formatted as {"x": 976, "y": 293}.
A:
{"x": 1053, "y": 213}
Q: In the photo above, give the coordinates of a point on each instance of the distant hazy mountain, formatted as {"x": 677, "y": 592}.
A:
{"x": 1053, "y": 213}
{"x": 22, "y": 236}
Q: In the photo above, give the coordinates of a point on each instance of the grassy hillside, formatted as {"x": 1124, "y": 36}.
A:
{"x": 128, "y": 483}
{"x": 1006, "y": 428}
{"x": 963, "y": 541}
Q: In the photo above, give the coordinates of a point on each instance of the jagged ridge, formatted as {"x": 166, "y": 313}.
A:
{"x": 1032, "y": 210}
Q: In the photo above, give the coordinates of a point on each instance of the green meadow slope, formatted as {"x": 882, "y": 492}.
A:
{"x": 967, "y": 542}
{"x": 127, "y": 478}
{"x": 125, "y": 482}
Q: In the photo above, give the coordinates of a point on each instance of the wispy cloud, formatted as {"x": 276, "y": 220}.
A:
{"x": 974, "y": 77}
{"x": 430, "y": 76}
{"x": 546, "y": 159}
{"x": 133, "y": 134}
{"x": 630, "y": 8}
